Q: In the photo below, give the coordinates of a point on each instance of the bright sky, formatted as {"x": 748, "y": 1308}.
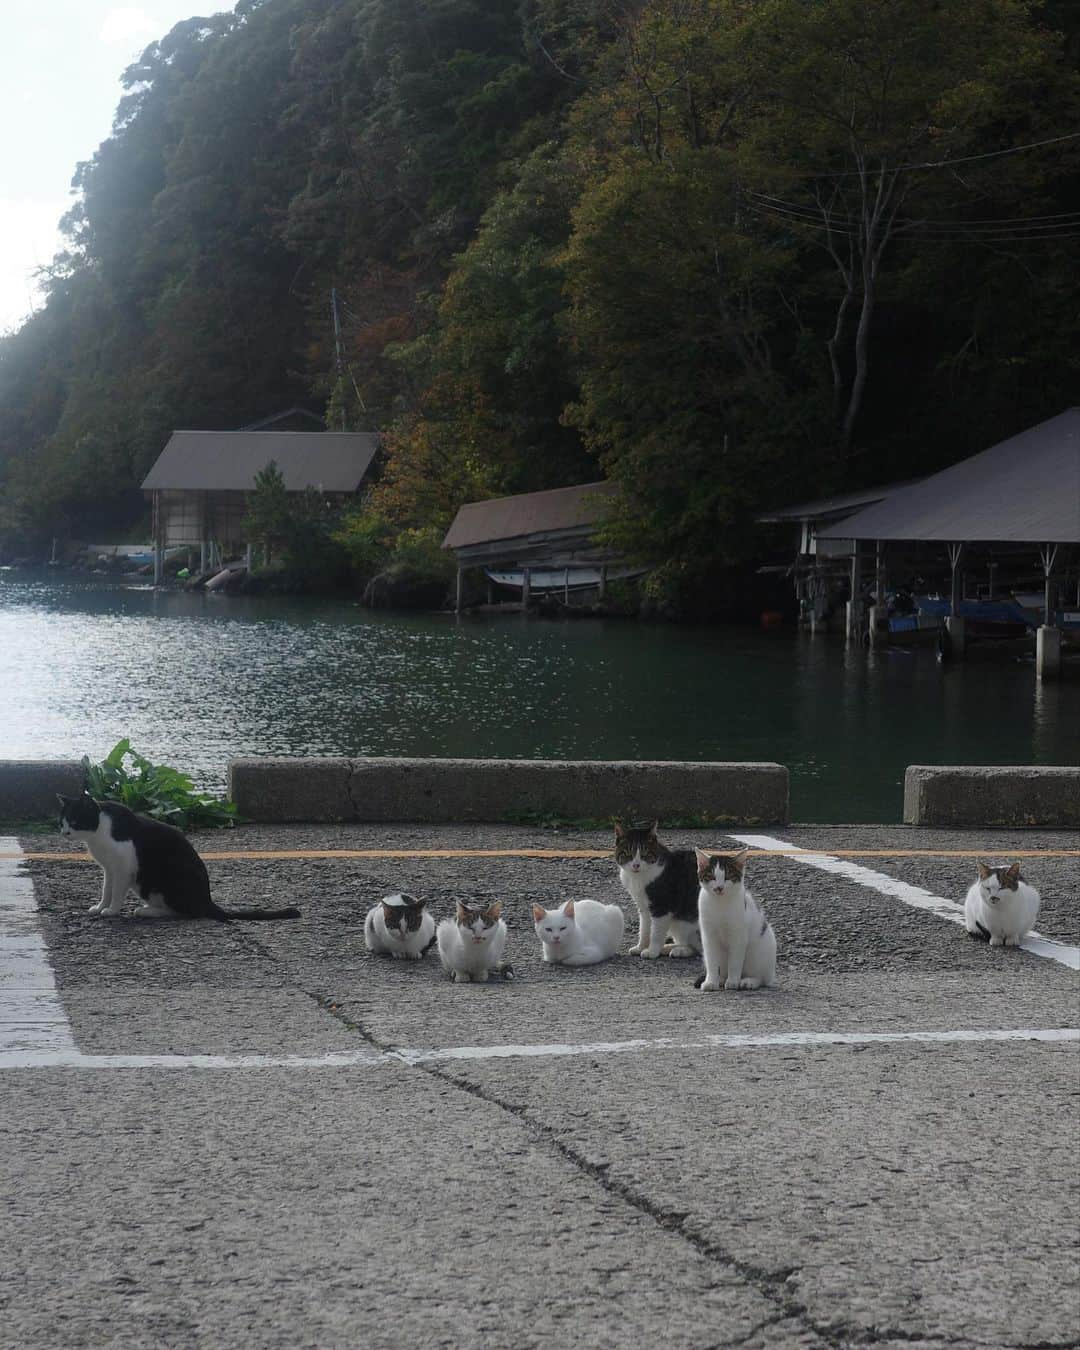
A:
{"x": 62, "y": 65}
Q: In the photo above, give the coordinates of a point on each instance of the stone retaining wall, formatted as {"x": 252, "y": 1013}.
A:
{"x": 429, "y": 790}
{"x": 965, "y": 795}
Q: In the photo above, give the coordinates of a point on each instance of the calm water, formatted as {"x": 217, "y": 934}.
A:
{"x": 196, "y": 680}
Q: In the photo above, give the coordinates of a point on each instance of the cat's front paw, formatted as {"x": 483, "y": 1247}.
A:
{"x": 706, "y": 985}
{"x": 480, "y": 977}
{"x": 677, "y": 952}
{"x": 459, "y": 977}
{"x": 649, "y": 954}
{"x": 733, "y": 984}
{"x": 638, "y": 949}
{"x": 997, "y": 942}
{"x": 96, "y": 908}
{"x": 749, "y": 984}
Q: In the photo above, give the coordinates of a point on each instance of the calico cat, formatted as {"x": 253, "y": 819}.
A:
{"x": 1000, "y": 905}
{"x": 579, "y": 933}
{"x": 136, "y": 852}
{"x": 399, "y": 926}
{"x": 472, "y": 943}
{"x": 738, "y": 941}
{"x": 663, "y": 884}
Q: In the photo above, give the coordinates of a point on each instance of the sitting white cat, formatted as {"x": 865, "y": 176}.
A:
{"x": 580, "y": 932}
{"x": 737, "y": 939}
{"x": 471, "y": 945}
{"x": 399, "y": 926}
{"x": 1000, "y": 905}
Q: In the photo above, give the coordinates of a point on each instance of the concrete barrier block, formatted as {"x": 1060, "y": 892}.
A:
{"x": 28, "y": 787}
{"x": 991, "y": 795}
{"x": 498, "y": 789}
{"x": 292, "y": 790}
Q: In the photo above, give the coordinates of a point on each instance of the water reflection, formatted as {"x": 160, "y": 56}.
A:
{"x": 196, "y": 680}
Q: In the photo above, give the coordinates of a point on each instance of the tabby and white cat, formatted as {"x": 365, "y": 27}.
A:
{"x": 399, "y": 926}
{"x": 1000, "y": 905}
{"x": 579, "y": 933}
{"x": 471, "y": 944}
{"x": 138, "y": 853}
{"x": 663, "y": 884}
{"x": 738, "y": 941}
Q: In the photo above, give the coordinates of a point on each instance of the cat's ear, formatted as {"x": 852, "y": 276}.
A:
{"x": 740, "y": 858}
{"x": 651, "y": 826}
{"x": 1013, "y": 873}
{"x": 568, "y": 909}
{"x": 493, "y": 911}
{"x": 702, "y": 857}
{"x": 539, "y": 912}
{"x": 983, "y": 870}
{"x": 620, "y": 829}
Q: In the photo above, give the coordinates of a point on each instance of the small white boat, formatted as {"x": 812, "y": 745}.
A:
{"x": 543, "y": 579}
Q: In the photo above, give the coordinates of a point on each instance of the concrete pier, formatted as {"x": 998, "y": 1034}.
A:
{"x": 28, "y": 788}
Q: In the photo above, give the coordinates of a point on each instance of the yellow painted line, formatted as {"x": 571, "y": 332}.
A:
{"x": 301, "y": 855}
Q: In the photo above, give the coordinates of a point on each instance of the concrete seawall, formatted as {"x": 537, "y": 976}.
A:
{"x": 1019, "y": 795}
{"x": 428, "y": 790}
{"x": 28, "y": 788}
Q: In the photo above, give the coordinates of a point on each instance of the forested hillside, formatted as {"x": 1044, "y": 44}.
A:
{"x": 725, "y": 252}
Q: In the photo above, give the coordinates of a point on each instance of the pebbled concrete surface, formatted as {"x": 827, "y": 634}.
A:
{"x": 777, "y": 1196}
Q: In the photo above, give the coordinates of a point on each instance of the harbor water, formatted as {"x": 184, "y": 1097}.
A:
{"x": 194, "y": 680}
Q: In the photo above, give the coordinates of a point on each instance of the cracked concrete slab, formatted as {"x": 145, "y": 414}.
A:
{"x": 775, "y": 1196}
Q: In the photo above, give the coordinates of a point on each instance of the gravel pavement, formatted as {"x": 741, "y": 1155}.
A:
{"x": 594, "y": 1193}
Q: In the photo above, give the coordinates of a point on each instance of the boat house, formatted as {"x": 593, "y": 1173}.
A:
{"x": 538, "y": 541}
{"x": 200, "y": 483}
{"x": 1003, "y": 519}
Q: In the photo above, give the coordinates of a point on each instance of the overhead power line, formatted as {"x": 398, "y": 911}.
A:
{"x": 941, "y": 163}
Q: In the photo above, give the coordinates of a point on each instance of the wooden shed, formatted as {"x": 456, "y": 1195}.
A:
{"x": 538, "y": 541}
{"x": 200, "y": 483}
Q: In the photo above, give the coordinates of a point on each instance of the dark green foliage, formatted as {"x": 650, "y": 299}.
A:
{"x": 547, "y": 225}
{"x": 155, "y": 790}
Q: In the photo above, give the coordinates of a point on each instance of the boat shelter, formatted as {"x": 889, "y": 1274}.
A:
{"x": 1013, "y": 509}
{"x": 822, "y": 564}
{"x": 552, "y": 532}
{"x": 200, "y": 483}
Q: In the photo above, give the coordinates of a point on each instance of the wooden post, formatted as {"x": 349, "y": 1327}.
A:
{"x": 525, "y": 585}
{"x": 603, "y": 580}
{"x": 955, "y": 623}
{"x": 854, "y": 616}
{"x": 158, "y": 560}
{"x": 458, "y": 590}
{"x": 566, "y": 586}
{"x": 880, "y": 611}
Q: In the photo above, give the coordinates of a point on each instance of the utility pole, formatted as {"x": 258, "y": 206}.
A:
{"x": 338, "y": 354}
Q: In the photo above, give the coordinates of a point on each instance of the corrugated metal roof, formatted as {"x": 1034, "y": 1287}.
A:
{"x": 843, "y": 503}
{"x": 227, "y": 461}
{"x": 1023, "y": 490}
{"x": 530, "y": 513}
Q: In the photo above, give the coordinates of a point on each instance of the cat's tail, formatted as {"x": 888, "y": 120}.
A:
{"x": 291, "y": 912}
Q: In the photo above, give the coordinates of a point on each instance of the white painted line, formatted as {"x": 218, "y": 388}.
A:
{"x": 370, "y": 1059}
{"x": 914, "y": 896}
{"x": 32, "y": 1018}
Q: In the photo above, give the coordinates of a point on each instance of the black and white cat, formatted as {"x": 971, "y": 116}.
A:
{"x": 399, "y": 926}
{"x": 471, "y": 945}
{"x": 138, "y": 853}
{"x": 663, "y": 884}
{"x": 1000, "y": 905}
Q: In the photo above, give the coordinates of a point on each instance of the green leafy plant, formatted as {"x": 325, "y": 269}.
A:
{"x": 155, "y": 789}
